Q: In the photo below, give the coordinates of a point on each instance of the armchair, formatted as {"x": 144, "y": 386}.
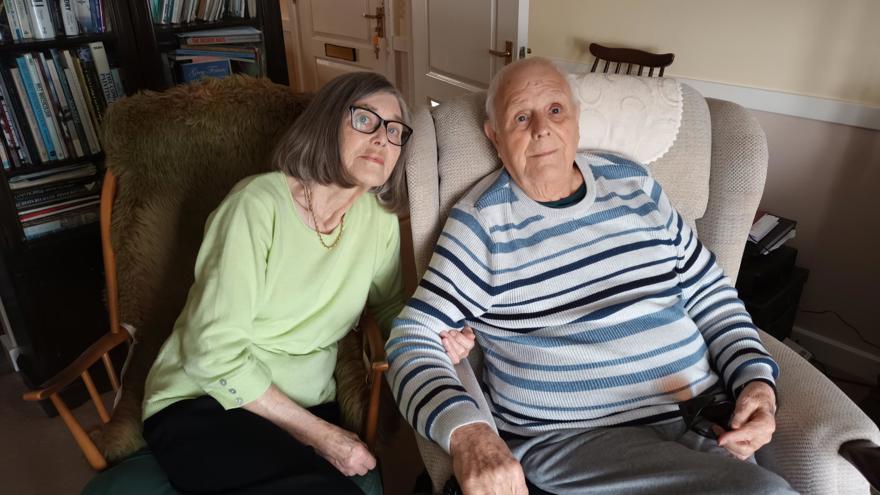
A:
{"x": 714, "y": 173}
{"x": 171, "y": 158}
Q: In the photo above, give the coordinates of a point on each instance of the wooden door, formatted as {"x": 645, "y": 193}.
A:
{"x": 339, "y": 36}
{"x": 453, "y": 42}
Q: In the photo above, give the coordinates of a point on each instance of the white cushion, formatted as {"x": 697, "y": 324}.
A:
{"x": 637, "y": 117}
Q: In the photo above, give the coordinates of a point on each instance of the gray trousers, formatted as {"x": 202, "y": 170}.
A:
{"x": 639, "y": 459}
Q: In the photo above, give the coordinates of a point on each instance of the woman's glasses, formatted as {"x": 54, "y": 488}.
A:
{"x": 367, "y": 121}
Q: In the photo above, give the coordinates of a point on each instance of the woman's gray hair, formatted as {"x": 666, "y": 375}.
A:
{"x": 502, "y": 75}
{"x": 309, "y": 149}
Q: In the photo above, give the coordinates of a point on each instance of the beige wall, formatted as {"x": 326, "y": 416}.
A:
{"x": 826, "y": 48}
{"x": 826, "y": 177}
{"x": 821, "y": 174}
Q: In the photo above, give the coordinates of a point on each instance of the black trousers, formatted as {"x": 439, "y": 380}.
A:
{"x": 206, "y": 449}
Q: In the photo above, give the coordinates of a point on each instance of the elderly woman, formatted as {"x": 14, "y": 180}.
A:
{"x": 241, "y": 396}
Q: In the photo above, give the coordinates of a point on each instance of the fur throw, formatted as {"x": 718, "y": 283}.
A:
{"x": 176, "y": 154}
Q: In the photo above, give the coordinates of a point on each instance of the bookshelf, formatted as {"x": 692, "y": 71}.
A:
{"x": 156, "y": 39}
{"x": 52, "y": 286}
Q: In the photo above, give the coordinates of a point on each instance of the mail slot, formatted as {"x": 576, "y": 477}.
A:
{"x": 340, "y": 52}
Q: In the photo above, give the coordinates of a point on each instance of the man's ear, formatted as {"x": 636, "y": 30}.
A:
{"x": 490, "y": 132}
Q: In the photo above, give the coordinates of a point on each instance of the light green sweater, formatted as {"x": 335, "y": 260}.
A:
{"x": 269, "y": 302}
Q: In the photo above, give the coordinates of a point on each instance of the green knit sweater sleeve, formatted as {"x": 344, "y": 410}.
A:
{"x": 230, "y": 276}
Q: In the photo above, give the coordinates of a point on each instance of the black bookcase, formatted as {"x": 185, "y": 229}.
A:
{"x": 52, "y": 288}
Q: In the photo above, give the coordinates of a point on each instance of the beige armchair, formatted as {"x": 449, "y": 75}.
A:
{"x": 714, "y": 174}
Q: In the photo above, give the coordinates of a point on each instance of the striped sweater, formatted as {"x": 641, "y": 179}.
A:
{"x": 607, "y": 312}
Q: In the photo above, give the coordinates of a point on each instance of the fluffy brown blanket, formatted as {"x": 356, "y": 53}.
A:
{"x": 176, "y": 154}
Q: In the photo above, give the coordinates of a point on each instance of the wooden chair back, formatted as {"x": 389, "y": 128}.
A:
{"x": 631, "y": 58}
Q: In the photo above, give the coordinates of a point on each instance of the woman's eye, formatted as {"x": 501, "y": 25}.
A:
{"x": 362, "y": 119}
{"x": 556, "y": 110}
{"x": 521, "y": 118}
{"x": 393, "y": 131}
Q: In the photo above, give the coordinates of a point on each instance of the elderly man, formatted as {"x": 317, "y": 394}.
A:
{"x": 601, "y": 316}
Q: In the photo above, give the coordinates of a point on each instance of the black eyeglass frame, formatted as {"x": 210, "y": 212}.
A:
{"x": 408, "y": 131}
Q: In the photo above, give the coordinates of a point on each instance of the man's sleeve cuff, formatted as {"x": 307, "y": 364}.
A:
{"x": 453, "y": 417}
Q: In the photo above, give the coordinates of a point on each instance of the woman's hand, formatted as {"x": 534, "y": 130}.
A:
{"x": 458, "y": 344}
{"x": 345, "y": 451}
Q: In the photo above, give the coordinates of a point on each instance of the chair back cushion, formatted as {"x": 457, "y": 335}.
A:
{"x": 176, "y": 155}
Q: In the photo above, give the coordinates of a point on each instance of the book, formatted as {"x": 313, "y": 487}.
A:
{"x": 102, "y": 69}
{"x": 63, "y": 110}
{"x": 7, "y": 105}
{"x": 242, "y": 34}
{"x": 91, "y": 83}
{"x": 54, "y": 193}
{"x": 769, "y": 232}
{"x": 51, "y": 176}
{"x": 35, "y": 135}
{"x": 198, "y": 70}
{"x": 41, "y": 19}
{"x": 68, "y": 18}
{"x": 58, "y": 207}
{"x": 24, "y": 18}
{"x": 23, "y": 79}
{"x": 12, "y": 18}
{"x": 45, "y": 106}
{"x": 72, "y": 112}
{"x": 82, "y": 10}
{"x": 75, "y": 218}
{"x": 81, "y": 99}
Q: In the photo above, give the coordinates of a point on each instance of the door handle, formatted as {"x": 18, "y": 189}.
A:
{"x": 507, "y": 53}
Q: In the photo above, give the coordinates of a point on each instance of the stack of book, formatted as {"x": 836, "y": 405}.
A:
{"x": 769, "y": 232}
{"x": 185, "y": 11}
{"x": 46, "y": 19}
{"x": 217, "y": 53}
{"x": 52, "y": 102}
{"x": 57, "y": 199}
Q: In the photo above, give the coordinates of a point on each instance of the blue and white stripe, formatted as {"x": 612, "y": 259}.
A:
{"x": 607, "y": 312}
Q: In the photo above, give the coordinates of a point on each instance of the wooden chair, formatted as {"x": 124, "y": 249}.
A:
{"x": 630, "y": 57}
{"x": 171, "y": 157}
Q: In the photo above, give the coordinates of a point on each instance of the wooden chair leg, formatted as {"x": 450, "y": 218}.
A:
{"x": 96, "y": 460}
{"x": 373, "y": 410}
{"x": 111, "y": 372}
{"x": 96, "y": 397}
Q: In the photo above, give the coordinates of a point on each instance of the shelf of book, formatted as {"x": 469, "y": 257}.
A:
{"x": 43, "y": 167}
{"x": 168, "y": 31}
{"x": 60, "y": 42}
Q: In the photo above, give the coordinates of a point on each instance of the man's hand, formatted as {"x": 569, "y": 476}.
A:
{"x": 483, "y": 464}
{"x": 458, "y": 344}
{"x": 345, "y": 451}
{"x": 753, "y": 421}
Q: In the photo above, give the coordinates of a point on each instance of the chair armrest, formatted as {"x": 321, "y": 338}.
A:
{"x": 374, "y": 346}
{"x": 865, "y": 456}
{"x": 75, "y": 369}
{"x": 736, "y": 182}
{"x": 814, "y": 420}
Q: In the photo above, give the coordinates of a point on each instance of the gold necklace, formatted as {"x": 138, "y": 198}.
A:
{"x": 315, "y": 222}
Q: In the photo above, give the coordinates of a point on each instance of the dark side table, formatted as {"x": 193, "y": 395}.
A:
{"x": 770, "y": 285}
